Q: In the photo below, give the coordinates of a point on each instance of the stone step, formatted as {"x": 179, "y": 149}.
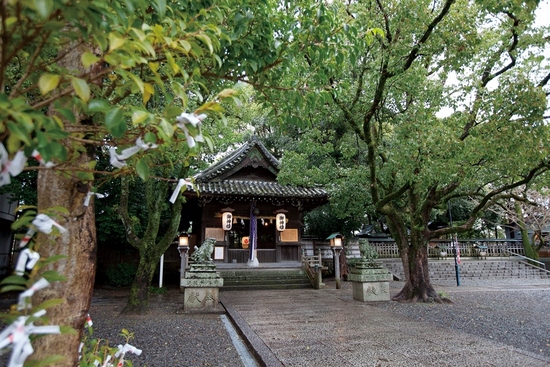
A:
{"x": 264, "y": 279}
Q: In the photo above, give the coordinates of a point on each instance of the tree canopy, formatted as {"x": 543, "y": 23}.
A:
{"x": 406, "y": 106}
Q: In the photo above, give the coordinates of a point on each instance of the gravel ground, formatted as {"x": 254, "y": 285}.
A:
{"x": 167, "y": 336}
{"x": 510, "y": 311}
{"x": 513, "y": 312}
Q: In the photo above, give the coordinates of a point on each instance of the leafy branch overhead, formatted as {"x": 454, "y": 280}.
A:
{"x": 153, "y": 51}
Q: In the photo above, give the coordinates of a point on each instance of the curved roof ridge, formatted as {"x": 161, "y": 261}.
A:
{"x": 234, "y": 157}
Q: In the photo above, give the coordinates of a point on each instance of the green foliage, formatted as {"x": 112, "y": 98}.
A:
{"x": 121, "y": 275}
{"x": 99, "y": 351}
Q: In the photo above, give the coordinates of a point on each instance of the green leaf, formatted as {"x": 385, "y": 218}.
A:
{"x": 53, "y": 259}
{"x": 115, "y": 42}
{"x": 20, "y": 133}
{"x": 14, "y": 279}
{"x": 209, "y": 142}
{"x": 88, "y": 59}
{"x": 81, "y": 88}
{"x": 49, "y": 303}
{"x": 149, "y": 138}
{"x": 139, "y": 116}
{"x": 206, "y": 40}
{"x": 99, "y": 105}
{"x": 43, "y": 7}
{"x": 48, "y": 82}
{"x": 13, "y": 288}
{"x": 142, "y": 169}
{"x": 166, "y": 128}
{"x": 161, "y": 7}
{"x": 186, "y": 45}
{"x": 56, "y": 134}
{"x": 115, "y": 123}
{"x": 53, "y": 276}
{"x": 65, "y": 329}
{"x": 67, "y": 114}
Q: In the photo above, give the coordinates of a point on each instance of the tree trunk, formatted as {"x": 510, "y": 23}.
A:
{"x": 417, "y": 284}
{"x": 79, "y": 245}
{"x": 138, "y": 301}
{"x": 414, "y": 256}
{"x": 149, "y": 249}
{"x": 528, "y": 247}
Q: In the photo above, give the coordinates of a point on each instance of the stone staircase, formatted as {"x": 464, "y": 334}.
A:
{"x": 473, "y": 269}
{"x": 254, "y": 278}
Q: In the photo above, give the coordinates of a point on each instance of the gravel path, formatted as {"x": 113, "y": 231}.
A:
{"x": 514, "y": 312}
{"x": 166, "y": 336}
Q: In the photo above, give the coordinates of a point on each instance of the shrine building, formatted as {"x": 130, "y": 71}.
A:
{"x": 253, "y": 218}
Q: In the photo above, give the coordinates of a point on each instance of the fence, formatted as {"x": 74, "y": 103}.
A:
{"x": 387, "y": 248}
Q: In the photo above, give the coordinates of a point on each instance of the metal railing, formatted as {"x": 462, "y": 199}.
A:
{"x": 529, "y": 261}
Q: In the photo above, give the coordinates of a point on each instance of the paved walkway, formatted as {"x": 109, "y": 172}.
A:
{"x": 307, "y": 327}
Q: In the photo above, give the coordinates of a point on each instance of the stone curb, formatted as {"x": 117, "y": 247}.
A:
{"x": 264, "y": 356}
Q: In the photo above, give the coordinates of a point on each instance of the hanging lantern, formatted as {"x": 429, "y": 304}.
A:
{"x": 227, "y": 219}
{"x": 280, "y": 220}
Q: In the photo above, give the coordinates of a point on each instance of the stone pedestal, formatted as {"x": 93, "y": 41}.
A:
{"x": 370, "y": 284}
{"x": 201, "y": 288}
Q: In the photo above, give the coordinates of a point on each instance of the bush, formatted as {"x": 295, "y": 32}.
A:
{"x": 121, "y": 275}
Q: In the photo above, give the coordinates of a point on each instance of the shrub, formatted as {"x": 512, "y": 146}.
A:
{"x": 121, "y": 275}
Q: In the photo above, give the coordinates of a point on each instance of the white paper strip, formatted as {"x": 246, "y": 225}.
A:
{"x": 40, "y": 284}
{"x": 26, "y": 261}
{"x": 178, "y": 188}
{"x": 45, "y": 224}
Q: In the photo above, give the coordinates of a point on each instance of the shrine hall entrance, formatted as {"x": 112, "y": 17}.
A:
{"x": 268, "y": 248}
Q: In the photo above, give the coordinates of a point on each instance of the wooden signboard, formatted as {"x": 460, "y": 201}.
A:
{"x": 217, "y": 233}
{"x": 289, "y": 235}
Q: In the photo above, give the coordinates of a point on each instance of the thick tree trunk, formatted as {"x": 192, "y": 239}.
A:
{"x": 79, "y": 245}
{"x": 417, "y": 284}
{"x": 414, "y": 256}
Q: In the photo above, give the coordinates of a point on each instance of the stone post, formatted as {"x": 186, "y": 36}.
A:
{"x": 370, "y": 283}
{"x": 201, "y": 288}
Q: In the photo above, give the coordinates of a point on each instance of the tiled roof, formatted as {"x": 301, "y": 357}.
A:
{"x": 259, "y": 189}
{"x": 210, "y": 182}
{"x": 233, "y": 158}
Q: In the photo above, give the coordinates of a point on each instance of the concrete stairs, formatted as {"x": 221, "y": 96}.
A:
{"x": 254, "y": 278}
{"x": 473, "y": 269}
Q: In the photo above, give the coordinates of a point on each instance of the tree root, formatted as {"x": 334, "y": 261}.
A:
{"x": 427, "y": 295}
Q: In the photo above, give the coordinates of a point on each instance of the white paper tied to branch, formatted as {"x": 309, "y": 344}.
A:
{"x": 36, "y": 154}
{"x": 17, "y": 335}
{"x": 178, "y": 188}
{"x": 122, "y": 350}
{"x": 44, "y": 224}
{"x": 26, "y": 261}
{"x": 196, "y": 120}
{"x": 105, "y": 363}
{"x": 40, "y": 284}
{"x": 119, "y": 160}
{"x": 89, "y": 196}
{"x": 10, "y": 168}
